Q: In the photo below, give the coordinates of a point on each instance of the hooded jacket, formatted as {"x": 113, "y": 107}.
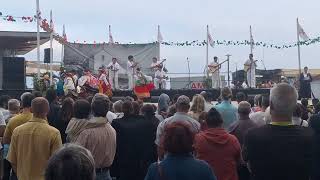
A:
{"x": 220, "y": 150}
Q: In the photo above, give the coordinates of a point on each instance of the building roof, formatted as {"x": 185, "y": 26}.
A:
{"x": 295, "y": 72}
{"x": 21, "y": 42}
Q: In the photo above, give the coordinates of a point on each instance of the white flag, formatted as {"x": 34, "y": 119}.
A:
{"x": 110, "y": 36}
{"x": 210, "y": 39}
{"x": 301, "y": 32}
{"x": 160, "y": 38}
{"x": 64, "y": 35}
{"x": 251, "y": 39}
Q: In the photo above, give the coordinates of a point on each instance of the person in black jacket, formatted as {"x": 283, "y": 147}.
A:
{"x": 135, "y": 145}
{"x": 53, "y": 115}
{"x": 305, "y": 86}
{"x": 315, "y": 125}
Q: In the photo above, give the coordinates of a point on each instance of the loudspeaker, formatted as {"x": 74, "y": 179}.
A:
{"x": 13, "y": 73}
{"x": 47, "y": 55}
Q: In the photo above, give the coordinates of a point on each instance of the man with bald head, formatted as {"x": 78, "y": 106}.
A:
{"x": 280, "y": 150}
{"x": 33, "y": 143}
{"x": 241, "y": 127}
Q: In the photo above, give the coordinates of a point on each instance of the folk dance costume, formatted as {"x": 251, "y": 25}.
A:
{"x": 160, "y": 79}
{"x": 113, "y": 75}
{"x": 104, "y": 85}
{"x": 69, "y": 85}
{"x": 143, "y": 85}
{"x": 87, "y": 84}
{"x": 250, "y": 68}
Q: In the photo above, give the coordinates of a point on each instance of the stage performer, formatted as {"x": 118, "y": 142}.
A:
{"x": 104, "y": 85}
{"x": 154, "y": 65}
{"x": 87, "y": 84}
{"x": 143, "y": 85}
{"x": 305, "y": 84}
{"x": 69, "y": 85}
{"x": 131, "y": 66}
{"x": 160, "y": 78}
{"x": 214, "y": 68}
{"x": 113, "y": 73}
{"x": 250, "y": 67}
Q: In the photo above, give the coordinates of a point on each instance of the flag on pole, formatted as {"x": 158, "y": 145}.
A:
{"x": 302, "y": 33}
{"x": 110, "y": 36}
{"x": 251, "y": 39}
{"x": 160, "y": 38}
{"x": 210, "y": 39}
{"x": 64, "y": 35}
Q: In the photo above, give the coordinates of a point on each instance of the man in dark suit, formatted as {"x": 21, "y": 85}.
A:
{"x": 305, "y": 84}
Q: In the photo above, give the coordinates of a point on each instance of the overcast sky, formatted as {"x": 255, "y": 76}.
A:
{"x": 273, "y": 21}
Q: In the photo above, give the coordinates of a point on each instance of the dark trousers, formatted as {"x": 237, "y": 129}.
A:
{"x": 8, "y": 173}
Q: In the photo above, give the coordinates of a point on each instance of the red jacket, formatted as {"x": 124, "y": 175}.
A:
{"x": 220, "y": 150}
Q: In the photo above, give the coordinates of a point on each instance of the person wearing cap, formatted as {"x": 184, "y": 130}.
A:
{"x": 226, "y": 109}
{"x": 114, "y": 68}
{"x": 182, "y": 107}
{"x": 104, "y": 84}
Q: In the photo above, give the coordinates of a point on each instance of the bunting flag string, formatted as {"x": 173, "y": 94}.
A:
{"x": 10, "y": 18}
{"x": 62, "y": 39}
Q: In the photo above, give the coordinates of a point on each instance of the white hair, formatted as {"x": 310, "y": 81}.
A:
{"x": 283, "y": 99}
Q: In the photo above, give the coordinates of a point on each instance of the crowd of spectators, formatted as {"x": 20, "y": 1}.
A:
{"x": 271, "y": 136}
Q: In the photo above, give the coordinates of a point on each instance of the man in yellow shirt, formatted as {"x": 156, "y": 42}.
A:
{"x": 14, "y": 122}
{"x": 33, "y": 143}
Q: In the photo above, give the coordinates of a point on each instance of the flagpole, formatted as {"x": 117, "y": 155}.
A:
{"x": 251, "y": 43}
{"x": 159, "y": 43}
{"x": 51, "y": 48}
{"x": 298, "y": 44}
{"x": 207, "y": 52}
{"x": 62, "y": 45}
{"x": 38, "y": 37}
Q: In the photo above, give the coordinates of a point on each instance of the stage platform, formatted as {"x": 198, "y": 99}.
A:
{"x": 16, "y": 93}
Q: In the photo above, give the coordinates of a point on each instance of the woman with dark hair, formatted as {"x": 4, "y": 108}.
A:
{"x": 65, "y": 115}
{"x": 297, "y": 116}
{"x": 81, "y": 110}
{"x": 53, "y": 115}
{"x": 218, "y": 148}
{"x": 135, "y": 143}
{"x": 136, "y": 108}
{"x": 179, "y": 163}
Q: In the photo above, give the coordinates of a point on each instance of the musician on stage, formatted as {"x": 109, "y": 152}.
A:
{"x": 113, "y": 73}
{"x": 104, "y": 85}
{"x": 214, "y": 68}
{"x": 250, "y": 67}
{"x": 154, "y": 64}
{"x": 131, "y": 66}
{"x": 160, "y": 78}
{"x": 305, "y": 84}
